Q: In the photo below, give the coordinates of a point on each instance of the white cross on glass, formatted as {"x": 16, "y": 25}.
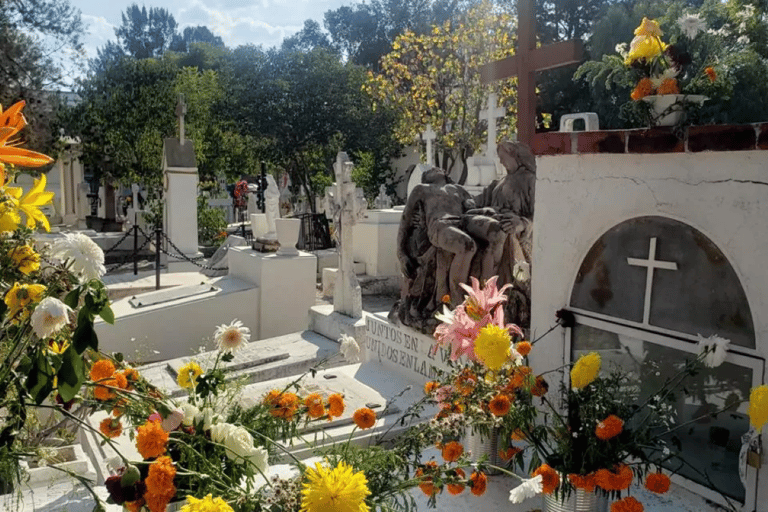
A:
{"x": 491, "y": 114}
{"x": 651, "y": 263}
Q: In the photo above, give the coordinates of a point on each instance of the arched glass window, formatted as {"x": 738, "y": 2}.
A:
{"x": 644, "y": 293}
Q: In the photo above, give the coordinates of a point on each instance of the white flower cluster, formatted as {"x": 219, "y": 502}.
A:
{"x": 86, "y": 259}
{"x": 349, "y": 349}
{"x": 49, "y": 317}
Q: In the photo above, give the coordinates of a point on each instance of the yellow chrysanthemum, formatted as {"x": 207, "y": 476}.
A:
{"x": 340, "y": 489}
{"x": 758, "y": 406}
{"x": 649, "y": 28}
{"x": 25, "y": 257}
{"x": 20, "y": 296}
{"x": 207, "y": 504}
{"x": 492, "y": 346}
{"x": 188, "y": 374}
{"x": 585, "y": 370}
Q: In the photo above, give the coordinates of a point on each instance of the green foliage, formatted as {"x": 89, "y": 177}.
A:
{"x": 146, "y": 33}
{"x": 210, "y": 222}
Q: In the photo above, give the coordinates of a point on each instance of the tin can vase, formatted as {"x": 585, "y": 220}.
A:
{"x": 480, "y": 444}
{"x": 578, "y": 501}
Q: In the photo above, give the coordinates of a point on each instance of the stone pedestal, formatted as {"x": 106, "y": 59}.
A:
{"x": 180, "y": 221}
{"x": 376, "y": 241}
{"x": 286, "y": 287}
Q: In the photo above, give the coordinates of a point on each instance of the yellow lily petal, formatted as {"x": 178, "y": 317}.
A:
{"x": 32, "y": 200}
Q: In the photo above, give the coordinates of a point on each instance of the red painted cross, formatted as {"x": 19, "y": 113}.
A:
{"x": 524, "y": 65}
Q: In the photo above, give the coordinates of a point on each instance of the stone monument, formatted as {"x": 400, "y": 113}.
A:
{"x": 382, "y": 201}
{"x": 268, "y": 242}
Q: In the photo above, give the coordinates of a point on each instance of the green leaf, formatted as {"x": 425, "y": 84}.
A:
{"x": 39, "y": 380}
{"x": 84, "y": 335}
{"x": 72, "y": 298}
{"x": 71, "y": 374}
{"x": 107, "y": 315}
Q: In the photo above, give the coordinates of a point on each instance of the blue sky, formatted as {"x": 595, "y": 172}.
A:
{"x": 264, "y": 22}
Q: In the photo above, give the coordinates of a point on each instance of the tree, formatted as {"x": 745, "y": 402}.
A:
{"x": 307, "y": 39}
{"x": 432, "y": 79}
{"x": 146, "y": 33}
{"x": 198, "y": 34}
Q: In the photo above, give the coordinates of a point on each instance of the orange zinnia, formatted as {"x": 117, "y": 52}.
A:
{"x": 609, "y": 428}
{"x": 111, "y": 427}
{"x": 102, "y": 369}
{"x": 479, "y": 483}
{"x": 710, "y": 72}
{"x": 510, "y": 452}
{"x": 132, "y": 376}
{"x": 314, "y": 404}
{"x": 657, "y": 482}
{"x": 550, "y": 479}
{"x": 616, "y": 480}
{"x": 585, "y": 482}
{"x": 668, "y": 86}
{"x": 452, "y": 451}
{"x": 628, "y": 504}
{"x": 457, "y": 488}
{"x": 151, "y": 439}
{"x": 500, "y": 405}
{"x": 524, "y": 348}
{"x": 364, "y": 418}
{"x": 335, "y": 405}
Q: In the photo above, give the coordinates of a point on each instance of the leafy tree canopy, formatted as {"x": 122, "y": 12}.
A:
{"x": 146, "y": 32}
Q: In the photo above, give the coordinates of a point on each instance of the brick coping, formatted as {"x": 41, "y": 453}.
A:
{"x": 743, "y": 137}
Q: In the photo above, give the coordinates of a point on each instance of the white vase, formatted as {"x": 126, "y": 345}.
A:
{"x": 579, "y": 501}
{"x": 667, "y": 109}
{"x": 287, "y": 235}
{"x": 258, "y": 224}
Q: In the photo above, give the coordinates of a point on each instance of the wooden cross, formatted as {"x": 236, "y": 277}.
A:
{"x": 181, "y": 109}
{"x": 492, "y": 112}
{"x": 651, "y": 263}
{"x": 524, "y": 65}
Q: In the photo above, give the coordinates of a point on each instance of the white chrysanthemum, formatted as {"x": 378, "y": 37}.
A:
{"x": 220, "y": 431}
{"x": 87, "y": 258}
{"x": 190, "y": 411}
{"x": 232, "y": 337}
{"x": 664, "y": 76}
{"x": 714, "y": 348}
{"x": 259, "y": 457}
{"x": 527, "y": 489}
{"x": 349, "y": 348}
{"x": 691, "y": 25}
{"x": 49, "y": 317}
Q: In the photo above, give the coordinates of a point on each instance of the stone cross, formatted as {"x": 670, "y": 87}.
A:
{"x": 491, "y": 114}
{"x": 651, "y": 263}
{"x": 525, "y": 63}
{"x": 429, "y": 135}
{"x": 347, "y": 296}
{"x": 181, "y": 109}
{"x": 382, "y": 201}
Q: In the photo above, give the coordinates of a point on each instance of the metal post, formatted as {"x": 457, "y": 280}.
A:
{"x": 158, "y": 232}
{"x": 135, "y": 247}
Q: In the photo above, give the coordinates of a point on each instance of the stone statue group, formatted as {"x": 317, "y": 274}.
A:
{"x": 446, "y": 235}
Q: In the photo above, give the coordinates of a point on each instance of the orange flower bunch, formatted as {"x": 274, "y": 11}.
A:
{"x": 657, "y": 482}
{"x": 315, "y": 405}
{"x": 466, "y": 382}
{"x": 111, "y": 427}
{"x": 550, "y": 479}
{"x": 668, "y": 86}
{"x": 643, "y": 88}
{"x": 628, "y": 504}
{"x": 159, "y": 482}
{"x": 430, "y": 387}
{"x": 711, "y": 74}
{"x": 519, "y": 377}
{"x": 617, "y": 480}
{"x": 282, "y": 404}
{"x": 609, "y": 428}
{"x": 364, "y": 418}
{"x": 103, "y": 372}
{"x": 585, "y": 482}
{"x": 425, "y": 476}
{"x": 457, "y": 488}
{"x": 151, "y": 439}
{"x": 452, "y": 451}
{"x": 479, "y": 483}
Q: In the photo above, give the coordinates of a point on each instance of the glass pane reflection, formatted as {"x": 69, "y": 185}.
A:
{"x": 710, "y": 444}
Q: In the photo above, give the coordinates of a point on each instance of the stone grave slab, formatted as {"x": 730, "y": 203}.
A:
{"x": 162, "y": 296}
{"x": 252, "y": 355}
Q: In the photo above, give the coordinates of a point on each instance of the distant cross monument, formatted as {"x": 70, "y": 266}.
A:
{"x": 181, "y": 110}
{"x": 524, "y": 65}
{"x": 347, "y": 296}
{"x": 651, "y": 263}
{"x": 492, "y": 113}
{"x": 429, "y": 135}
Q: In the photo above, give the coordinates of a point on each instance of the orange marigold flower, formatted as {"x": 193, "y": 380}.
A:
{"x": 550, "y": 479}
{"x": 133, "y": 506}
{"x": 120, "y": 380}
{"x": 132, "y": 375}
{"x": 430, "y": 387}
{"x": 539, "y": 387}
{"x": 585, "y": 482}
{"x": 657, "y": 482}
{"x": 609, "y": 428}
{"x": 151, "y": 439}
{"x": 427, "y": 486}
{"x": 466, "y": 382}
{"x": 315, "y": 406}
{"x": 510, "y": 452}
{"x": 479, "y": 483}
{"x": 628, "y": 504}
{"x": 519, "y": 377}
{"x": 711, "y": 74}
{"x": 111, "y": 427}
{"x": 644, "y": 88}
{"x": 102, "y": 392}
{"x": 159, "y": 482}
{"x": 119, "y": 407}
{"x": 500, "y": 405}
{"x": 524, "y": 348}
{"x": 452, "y": 451}
{"x": 286, "y": 406}
{"x": 457, "y": 488}
{"x": 364, "y": 418}
{"x": 617, "y": 480}
{"x": 668, "y": 86}
{"x": 446, "y": 299}
{"x": 102, "y": 369}
{"x": 335, "y": 405}
{"x": 517, "y": 435}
